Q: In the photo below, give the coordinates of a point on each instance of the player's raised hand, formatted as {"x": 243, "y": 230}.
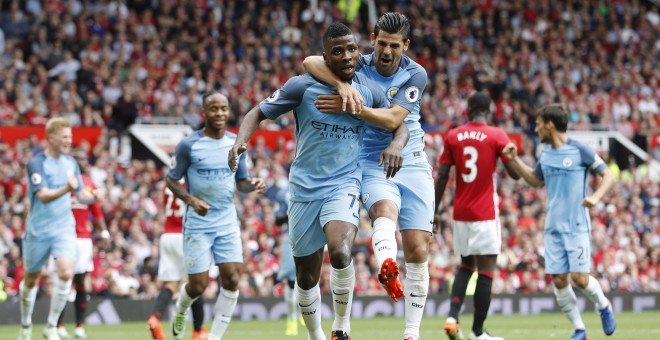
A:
{"x": 72, "y": 183}
{"x": 391, "y": 159}
{"x": 351, "y": 98}
{"x": 200, "y": 207}
{"x": 258, "y": 184}
{"x": 510, "y": 151}
{"x": 236, "y": 151}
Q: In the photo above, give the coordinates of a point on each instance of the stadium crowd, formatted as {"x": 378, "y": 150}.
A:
{"x": 113, "y": 63}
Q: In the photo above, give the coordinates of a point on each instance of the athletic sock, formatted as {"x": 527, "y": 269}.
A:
{"x": 27, "y": 296}
{"x": 162, "y": 301}
{"x": 594, "y": 292}
{"x": 224, "y": 309}
{"x": 342, "y": 283}
{"x": 383, "y": 240}
{"x": 58, "y": 299}
{"x": 567, "y": 302}
{"x": 482, "y": 301}
{"x": 197, "y": 308}
{"x": 184, "y": 301}
{"x": 416, "y": 289}
{"x": 310, "y": 309}
{"x": 458, "y": 290}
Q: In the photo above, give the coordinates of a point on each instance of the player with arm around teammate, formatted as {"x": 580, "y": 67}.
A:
{"x": 407, "y": 199}
{"x": 563, "y": 168}
{"x": 324, "y": 179}
{"x": 50, "y": 226}
{"x": 211, "y": 230}
{"x": 473, "y": 149}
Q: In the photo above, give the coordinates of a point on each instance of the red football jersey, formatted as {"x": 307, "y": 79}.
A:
{"x": 473, "y": 149}
{"x": 81, "y": 212}
{"x": 174, "y": 210}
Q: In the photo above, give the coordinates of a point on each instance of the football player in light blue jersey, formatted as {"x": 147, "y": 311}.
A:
{"x": 324, "y": 179}
{"x": 210, "y": 225}
{"x": 563, "y": 168}
{"x": 407, "y": 198}
{"x": 50, "y": 225}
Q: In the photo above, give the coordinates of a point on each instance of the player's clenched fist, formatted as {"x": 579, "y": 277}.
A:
{"x": 201, "y": 207}
{"x": 72, "y": 183}
{"x": 510, "y": 151}
{"x": 236, "y": 151}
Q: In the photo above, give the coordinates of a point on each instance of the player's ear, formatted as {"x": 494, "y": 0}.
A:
{"x": 373, "y": 39}
{"x": 406, "y": 44}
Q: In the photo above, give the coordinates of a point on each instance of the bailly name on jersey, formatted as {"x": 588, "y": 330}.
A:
{"x": 478, "y": 135}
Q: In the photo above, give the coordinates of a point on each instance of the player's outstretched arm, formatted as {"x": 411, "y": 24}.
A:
{"x": 606, "y": 184}
{"x": 351, "y": 98}
{"x": 527, "y": 173}
{"x": 247, "y": 129}
{"x": 251, "y": 184}
{"x": 392, "y": 157}
{"x": 511, "y": 171}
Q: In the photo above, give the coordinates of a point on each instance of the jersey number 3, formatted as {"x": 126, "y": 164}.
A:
{"x": 470, "y": 155}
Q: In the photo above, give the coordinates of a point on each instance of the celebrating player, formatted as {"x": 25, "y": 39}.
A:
{"x": 563, "y": 168}
{"x": 211, "y": 226}
{"x": 408, "y": 197}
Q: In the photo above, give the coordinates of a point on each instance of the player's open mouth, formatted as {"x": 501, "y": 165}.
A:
{"x": 347, "y": 69}
{"x": 385, "y": 61}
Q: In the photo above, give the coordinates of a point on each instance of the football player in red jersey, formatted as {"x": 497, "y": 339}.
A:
{"x": 473, "y": 149}
{"x": 171, "y": 270}
{"x": 85, "y": 249}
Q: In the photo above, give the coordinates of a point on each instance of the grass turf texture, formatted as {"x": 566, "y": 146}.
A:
{"x": 638, "y": 326}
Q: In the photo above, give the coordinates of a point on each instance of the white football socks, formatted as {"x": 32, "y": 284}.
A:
{"x": 27, "y": 296}
{"x": 291, "y": 303}
{"x": 416, "y": 289}
{"x": 310, "y": 309}
{"x": 60, "y": 294}
{"x": 383, "y": 240}
{"x": 184, "y": 301}
{"x": 224, "y": 309}
{"x": 594, "y": 292}
{"x": 567, "y": 302}
{"x": 342, "y": 283}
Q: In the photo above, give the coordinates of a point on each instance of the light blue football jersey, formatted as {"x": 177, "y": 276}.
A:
{"x": 565, "y": 172}
{"x": 203, "y": 161}
{"x": 48, "y": 219}
{"x": 329, "y": 145}
{"x": 404, "y": 88}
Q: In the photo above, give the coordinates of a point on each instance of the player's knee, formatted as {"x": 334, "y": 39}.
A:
{"x": 196, "y": 288}
{"x": 306, "y": 280}
{"x": 384, "y": 208}
{"x": 560, "y": 281}
{"x": 580, "y": 279}
{"x": 340, "y": 258}
{"x": 65, "y": 274}
{"x": 417, "y": 253}
{"x": 230, "y": 282}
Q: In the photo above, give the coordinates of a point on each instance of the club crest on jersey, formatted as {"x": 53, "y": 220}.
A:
{"x": 273, "y": 97}
{"x": 391, "y": 92}
{"x": 412, "y": 94}
{"x": 35, "y": 179}
{"x": 567, "y": 162}
{"x": 365, "y": 198}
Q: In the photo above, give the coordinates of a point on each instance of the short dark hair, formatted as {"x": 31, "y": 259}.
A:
{"x": 335, "y": 30}
{"x": 556, "y": 114}
{"x": 208, "y": 94}
{"x": 393, "y": 23}
{"x": 478, "y": 104}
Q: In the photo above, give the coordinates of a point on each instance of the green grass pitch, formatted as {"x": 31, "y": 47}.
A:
{"x": 638, "y": 326}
